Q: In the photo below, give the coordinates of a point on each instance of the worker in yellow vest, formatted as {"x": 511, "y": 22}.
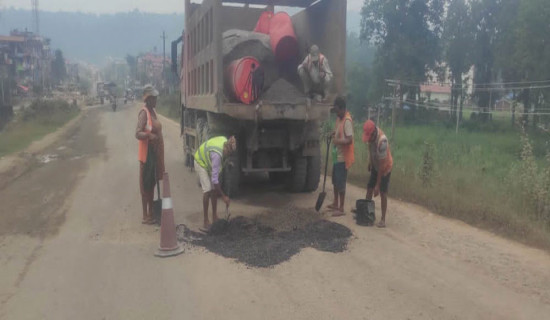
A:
{"x": 208, "y": 165}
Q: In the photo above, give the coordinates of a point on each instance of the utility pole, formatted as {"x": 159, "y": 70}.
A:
{"x": 396, "y": 92}
{"x": 35, "y": 17}
{"x": 163, "y": 56}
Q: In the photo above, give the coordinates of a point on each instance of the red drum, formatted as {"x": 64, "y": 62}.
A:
{"x": 239, "y": 75}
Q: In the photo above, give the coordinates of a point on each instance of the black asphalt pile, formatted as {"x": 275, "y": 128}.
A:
{"x": 263, "y": 242}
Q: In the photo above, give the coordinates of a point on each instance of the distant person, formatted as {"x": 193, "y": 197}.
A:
{"x": 315, "y": 74}
{"x": 380, "y": 166}
{"x": 150, "y": 152}
{"x": 343, "y": 154}
{"x": 208, "y": 164}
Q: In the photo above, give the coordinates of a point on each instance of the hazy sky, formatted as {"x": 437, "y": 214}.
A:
{"x": 110, "y": 6}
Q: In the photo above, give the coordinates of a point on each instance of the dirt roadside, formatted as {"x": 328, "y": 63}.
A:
{"x": 98, "y": 262}
{"x": 14, "y": 165}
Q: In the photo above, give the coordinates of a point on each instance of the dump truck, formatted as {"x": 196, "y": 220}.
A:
{"x": 278, "y": 129}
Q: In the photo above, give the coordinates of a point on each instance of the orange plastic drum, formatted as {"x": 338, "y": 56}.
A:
{"x": 239, "y": 78}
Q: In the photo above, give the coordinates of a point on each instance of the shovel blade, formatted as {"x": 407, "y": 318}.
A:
{"x": 320, "y": 201}
{"x": 157, "y": 210}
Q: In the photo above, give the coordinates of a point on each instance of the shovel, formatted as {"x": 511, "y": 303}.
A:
{"x": 323, "y": 194}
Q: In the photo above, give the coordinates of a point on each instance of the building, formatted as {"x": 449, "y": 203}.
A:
{"x": 26, "y": 58}
{"x": 150, "y": 68}
{"x": 435, "y": 92}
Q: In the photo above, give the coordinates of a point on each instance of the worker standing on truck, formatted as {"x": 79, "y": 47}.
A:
{"x": 315, "y": 74}
{"x": 208, "y": 165}
{"x": 380, "y": 166}
{"x": 343, "y": 154}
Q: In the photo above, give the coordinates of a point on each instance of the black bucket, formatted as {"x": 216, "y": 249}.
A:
{"x": 365, "y": 212}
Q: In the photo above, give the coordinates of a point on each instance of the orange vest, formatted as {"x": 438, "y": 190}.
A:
{"x": 144, "y": 144}
{"x": 348, "y": 150}
{"x": 387, "y": 163}
{"x": 319, "y": 66}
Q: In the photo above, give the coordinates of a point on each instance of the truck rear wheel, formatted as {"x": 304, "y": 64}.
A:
{"x": 313, "y": 173}
{"x": 231, "y": 177}
{"x": 297, "y": 178}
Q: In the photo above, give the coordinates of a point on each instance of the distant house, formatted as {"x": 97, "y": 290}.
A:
{"x": 432, "y": 92}
{"x": 503, "y": 104}
{"x": 150, "y": 65}
{"x": 25, "y": 58}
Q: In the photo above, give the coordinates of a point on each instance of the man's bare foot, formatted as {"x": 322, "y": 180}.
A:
{"x": 381, "y": 224}
{"x": 339, "y": 213}
{"x": 332, "y": 206}
{"x": 148, "y": 221}
{"x": 215, "y": 218}
{"x": 206, "y": 225}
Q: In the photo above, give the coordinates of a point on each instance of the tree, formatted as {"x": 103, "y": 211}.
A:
{"x": 132, "y": 64}
{"x": 457, "y": 47}
{"x": 532, "y": 48}
{"x": 407, "y": 35}
{"x": 59, "y": 70}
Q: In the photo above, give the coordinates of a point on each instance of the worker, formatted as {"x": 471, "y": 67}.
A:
{"x": 343, "y": 154}
{"x": 315, "y": 74}
{"x": 150, "y": 152}
{"x": 208, "y": 165}
{"x": 380, "y": 166}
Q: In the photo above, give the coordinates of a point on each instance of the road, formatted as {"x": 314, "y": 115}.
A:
{"x": 72, "y": 246}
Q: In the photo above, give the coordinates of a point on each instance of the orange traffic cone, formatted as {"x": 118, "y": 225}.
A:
{"x": 168, "y": 242}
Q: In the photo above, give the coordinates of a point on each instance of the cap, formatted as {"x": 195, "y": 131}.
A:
{"x": 314, "y": 53}
{"x": 149, "y": 91}
{"x": 368, "y": 129}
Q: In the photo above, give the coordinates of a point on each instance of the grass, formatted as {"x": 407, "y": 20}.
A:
{"x": 36, "y": 121}
{"x": 473, "y": 176}
{"x": 169, "y": 106}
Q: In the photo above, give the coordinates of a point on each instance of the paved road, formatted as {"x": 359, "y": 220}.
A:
{"x": 72, "y": 247}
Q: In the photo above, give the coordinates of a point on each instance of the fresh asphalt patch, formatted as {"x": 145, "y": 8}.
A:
{"x": 269, "y": 238}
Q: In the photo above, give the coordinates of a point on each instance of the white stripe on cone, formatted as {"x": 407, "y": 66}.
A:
{"x": 166, "y": 203}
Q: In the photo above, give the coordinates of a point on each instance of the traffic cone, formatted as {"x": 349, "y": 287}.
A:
{"x": 168, "y": 242}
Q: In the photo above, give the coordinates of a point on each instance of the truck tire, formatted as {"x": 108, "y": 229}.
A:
{"x": 203, "y": 130}
{"x": 313, "y": 173}
{"x": 277, "y": 177}
{"x": 231, "y": 177}
{"x": 297, "y": 178}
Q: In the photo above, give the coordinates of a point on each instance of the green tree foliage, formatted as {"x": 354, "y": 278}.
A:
{"x": 359, "y": 58}
{"x": 458, "y": 35}
{"x": 132, "y": 65}
{"x": 407, "y": 34}
{"x": 59, "y": 70}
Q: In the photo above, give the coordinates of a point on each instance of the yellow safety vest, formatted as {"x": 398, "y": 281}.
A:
{"x": 202, "y": 156}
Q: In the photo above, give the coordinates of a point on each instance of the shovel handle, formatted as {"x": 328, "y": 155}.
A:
{"x": 329, "y": 138}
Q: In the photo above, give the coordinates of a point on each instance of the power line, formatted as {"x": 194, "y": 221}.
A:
{"x": 493, "y": 86}
{"x": 448, "y": 108}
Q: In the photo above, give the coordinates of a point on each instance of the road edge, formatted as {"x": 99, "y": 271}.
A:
{"x": 14, "y": 165}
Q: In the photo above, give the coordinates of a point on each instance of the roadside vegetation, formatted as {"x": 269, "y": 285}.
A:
{"x": 169, "y": 106}
{"x": 495, "y": 179}
{"x": 34, "y": 122}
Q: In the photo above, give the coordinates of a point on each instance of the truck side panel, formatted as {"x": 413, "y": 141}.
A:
{"x": 202, "y": 50}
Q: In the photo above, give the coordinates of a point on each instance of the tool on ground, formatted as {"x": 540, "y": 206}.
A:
{"x": 168, "y": 241}
{"x": 323, "y": 194}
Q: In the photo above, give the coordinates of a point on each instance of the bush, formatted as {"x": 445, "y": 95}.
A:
{"x": 48, "y": 111}
{"x": 169, "y": 105}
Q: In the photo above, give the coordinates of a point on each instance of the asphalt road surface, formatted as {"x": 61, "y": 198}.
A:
{"x": 72, "y": 246}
